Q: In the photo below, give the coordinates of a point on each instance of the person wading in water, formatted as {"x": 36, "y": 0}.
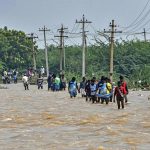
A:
{"x": 119, "y": 94}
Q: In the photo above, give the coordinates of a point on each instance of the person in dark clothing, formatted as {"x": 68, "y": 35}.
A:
{"x": 40, "y": 82}
{"x": 53, "y": 82}
{"x": 88, "y": 90}
{"x": 82, "y": 87}
{"x": 15, "y": 76}
{"x": 49, "y": 81}
{"x": 63, "y": 82}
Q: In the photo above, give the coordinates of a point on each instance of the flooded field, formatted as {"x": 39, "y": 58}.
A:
{"x": 42, "y": 120}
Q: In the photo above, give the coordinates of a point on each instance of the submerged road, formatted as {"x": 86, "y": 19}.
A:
{"x": 45, "y": 120}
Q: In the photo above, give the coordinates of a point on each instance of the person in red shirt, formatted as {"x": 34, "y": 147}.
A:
{"x": 119, "y": 94}
{"x": 124, "y": 84}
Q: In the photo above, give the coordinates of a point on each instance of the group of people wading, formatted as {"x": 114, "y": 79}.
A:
{"x": 9, "y": 75}
{"x": 100, "y": 91}
{"x": 55, "y": 83}
{"x": 96, "y": 91}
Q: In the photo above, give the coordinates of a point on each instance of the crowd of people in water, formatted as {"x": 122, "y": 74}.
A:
{"x": 96, "y": 91}
{"x": 8, "y": 75}
{"x": 100, "y": 91}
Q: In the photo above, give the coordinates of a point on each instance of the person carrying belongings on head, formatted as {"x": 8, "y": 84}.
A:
{"x": 25, "y": 80}
{"x": 73, "y": 88}
{"x": 40, "y": 82}
{"x": 119, "y": 94}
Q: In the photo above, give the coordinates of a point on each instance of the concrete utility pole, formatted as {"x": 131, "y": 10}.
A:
{"x": 46, "y": 56}
{"x": 83, "y": 21}
{"x": 144, "y": 32}
{"x": 62, "y": 50}
{"x": 32, "y": 37}
{"x": 64, "y": 54}
{"x": 112, "y": 31}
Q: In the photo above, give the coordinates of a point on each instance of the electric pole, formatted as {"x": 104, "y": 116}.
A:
{"x": 62, "y": 50}
{"x": 144, "y": 32}
{"x": 83, "y": 21}
{"x": 46, "y": 56}
{"x": 32, "y": 37}
{"x": 112, "y": 31}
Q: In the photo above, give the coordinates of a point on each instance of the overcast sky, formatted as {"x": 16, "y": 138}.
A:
{"x": 30, "y": 15}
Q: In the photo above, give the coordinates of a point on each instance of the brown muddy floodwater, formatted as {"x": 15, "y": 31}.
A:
{"x": 42, "y": 120}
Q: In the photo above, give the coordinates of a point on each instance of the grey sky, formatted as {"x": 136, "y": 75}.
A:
{"x": 30, "y": 15}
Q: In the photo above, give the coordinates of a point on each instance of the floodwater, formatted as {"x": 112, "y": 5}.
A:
{"x": 45, "y": 120}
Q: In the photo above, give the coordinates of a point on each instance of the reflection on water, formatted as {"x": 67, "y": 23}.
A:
{"x": 42, "y": 120}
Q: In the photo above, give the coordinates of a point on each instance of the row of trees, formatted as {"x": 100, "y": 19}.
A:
{"x": 131, "y": 58}
{"x": 15, "y": 49}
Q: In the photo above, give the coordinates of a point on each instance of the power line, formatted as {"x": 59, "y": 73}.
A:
{"x": 133, "y": 23}
{"x": 72, "y": 41}
{"x": 142, "y": 25}
{"x": 75, "y": 28}
{"x": 139, "y": 23}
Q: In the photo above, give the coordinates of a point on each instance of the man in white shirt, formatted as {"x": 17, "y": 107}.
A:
{"x": 25, "y": 82}
{"x": 42, "y": 70}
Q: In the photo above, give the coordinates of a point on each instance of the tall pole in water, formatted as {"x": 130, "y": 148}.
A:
{"x": 83, "y": 21}
{"x": 46, "y": 55}
{"x": 32, "y": 37}
{"x": 112, "y": 31}
{"x": 62, "y": 51}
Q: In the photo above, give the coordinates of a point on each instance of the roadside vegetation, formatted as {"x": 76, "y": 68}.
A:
{"x": 131, "y": 58}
